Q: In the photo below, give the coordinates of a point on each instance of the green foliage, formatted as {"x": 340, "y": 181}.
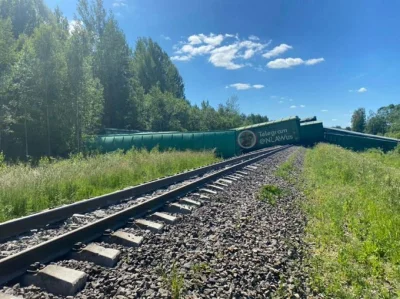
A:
{"x": 386, "y": 121}
{"x": 285, "y": 169}
{"x": 61, "y": 84}
{"x": 153, "y": 67}
{"x": 358, "y": 120}
{"x": 353, "y": 222}
{"x": 174, "y": 281}
{"x": 25, "y": 189}
{"x": 2, "y": 160}
{"x": 269, "y": 193}
{"x": 25, "y": 16}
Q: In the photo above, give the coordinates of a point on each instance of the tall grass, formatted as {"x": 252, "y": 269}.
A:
{"x": 25, "y": 189}
{"x": 354, "y": 222}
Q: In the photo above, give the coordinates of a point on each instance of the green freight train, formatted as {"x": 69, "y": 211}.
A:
{"x": 234, "y": 142}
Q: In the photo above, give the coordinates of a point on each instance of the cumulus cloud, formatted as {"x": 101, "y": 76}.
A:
{"x": 314, "y": 61}
{"x": 248, "y": 54}
{"x": 278, "y": 50}
{"x": 285, "y": 63}
{"x": 334, "y": 119}
{"x": 241, "y": 86}
{"x": 181, "y": 58}
{"x": 221, "y": 49}
{"x": 324, "y": 110}
{"x": 253, "y": 37}
{"x": 293, "y": 106}
{"x": 302, "y": 106}
{"x": 362, "y": 89}
{"x": 211, "y": 39}
{"x": 244, "y": 86}
{"x": 280, "y": 102}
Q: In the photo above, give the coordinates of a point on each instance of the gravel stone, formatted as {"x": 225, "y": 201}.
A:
{"x": 234, "y": 246}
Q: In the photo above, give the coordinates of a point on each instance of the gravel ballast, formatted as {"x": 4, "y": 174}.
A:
{"x": 234, "y": 246}
{"x": 36, "y": 236}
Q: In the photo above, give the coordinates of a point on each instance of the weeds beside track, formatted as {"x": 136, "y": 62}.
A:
{"x": 25, "y": 189}
{"x": 353, "y": 213}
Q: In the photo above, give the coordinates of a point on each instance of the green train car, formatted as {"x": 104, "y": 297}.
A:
{"x": 254, "y": 137}
{"x": 226, "y": 143}
{"x": 234, "y": 142}
{"x": 359, "y": 141}
{"x": 311, "y": 132}
{"x": 221, "y": 141}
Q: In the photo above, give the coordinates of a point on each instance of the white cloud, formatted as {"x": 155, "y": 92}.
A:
{"x": 222, "y": 52}
{"x": 324, "y": 110}
{"x": 211, "y": 39}
{"x": 253, "y": 37}
{"x": 244, "y": 86}
{"x": 302, "y": 106}
{"x": 293, "y": 106}
{"x": 194, "y": 40}
{"x": 248, "y": 54}
{"x": 119, "y": 3}
{"x": 290, "y": 100}
{"x": 224, "y": 56}
{"x": 273, "y": 97}
{"x": 278, "y": 50}
{"x": 362, "y": 89}
{"x": 181, "y": 58}
{"x": 350, "y": 90}
{"x": 280, "y": 102}
{"x": 314, "y": 61}
{"x": 241, "y": 86}
{"x": 334, "y": 119}
{"x": 285, "y": 63}
{"x": 193, "y": 51}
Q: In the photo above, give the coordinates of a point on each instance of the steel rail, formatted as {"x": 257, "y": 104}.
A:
{"x": 20, "y": 225}
{"x": 13, "y": 266}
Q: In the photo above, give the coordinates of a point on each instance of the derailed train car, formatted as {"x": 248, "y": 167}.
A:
{"x": 226, "y": 143}
{"x": 244, "y": 139}
{"x": 254, "y": 137}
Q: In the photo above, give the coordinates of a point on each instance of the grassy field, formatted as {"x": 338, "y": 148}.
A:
{"x": 354, "y": 221}
{"x": 25, "y": 189}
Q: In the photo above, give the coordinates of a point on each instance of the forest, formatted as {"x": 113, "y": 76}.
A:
{"x": 61, "y": 84}
{"x": 384, "y": 122}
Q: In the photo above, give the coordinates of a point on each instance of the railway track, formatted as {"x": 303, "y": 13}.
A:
{"x": 29, "y": 262}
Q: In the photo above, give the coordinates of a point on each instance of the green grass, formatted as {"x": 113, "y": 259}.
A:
{"x": 391, "y": 159}
{"x": 286, "y": 167}
{"x": 270, "y": 194}
{"x": 174, "y": 281}
{"x": 25, "y": 189}
{"x": 353, "y": 209}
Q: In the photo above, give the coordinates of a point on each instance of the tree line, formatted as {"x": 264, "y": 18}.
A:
{"x": 60, "y": 84}
{"x": 385, "y": 121}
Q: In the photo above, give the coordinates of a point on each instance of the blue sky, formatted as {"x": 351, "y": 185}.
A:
{"x": 281, "y": 58}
